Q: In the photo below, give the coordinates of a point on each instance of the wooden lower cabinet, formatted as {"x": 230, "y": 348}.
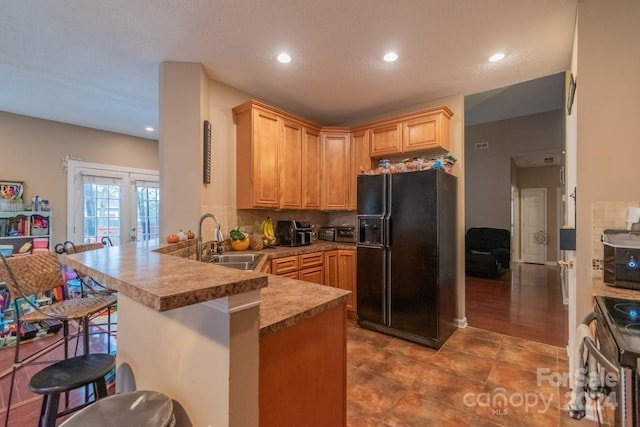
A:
{"x": 335, "y": 268}
{"x": 307, "y": 267}
{"x": 308, "y": 386}
{"x": 340, "y": 272}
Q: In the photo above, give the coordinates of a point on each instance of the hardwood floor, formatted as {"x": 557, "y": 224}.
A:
{"x": 525, "y": 302}
{"x": 25, "y": 405}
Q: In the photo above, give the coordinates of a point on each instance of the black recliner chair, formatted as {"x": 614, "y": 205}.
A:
{"x": 487, "y": 251}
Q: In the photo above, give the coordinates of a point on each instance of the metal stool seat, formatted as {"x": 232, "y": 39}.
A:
{"x": 132, "y": 409}
{"x": 67, "y": 375}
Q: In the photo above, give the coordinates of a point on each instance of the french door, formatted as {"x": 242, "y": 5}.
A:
{"x": 111, "y": 201}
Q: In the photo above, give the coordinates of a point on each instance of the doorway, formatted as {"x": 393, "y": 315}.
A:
{"x": 111, "y": 201}
{"x": 533, "y": 226}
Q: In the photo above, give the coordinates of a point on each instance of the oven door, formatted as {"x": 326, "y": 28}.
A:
{"x": 606, "y": 377}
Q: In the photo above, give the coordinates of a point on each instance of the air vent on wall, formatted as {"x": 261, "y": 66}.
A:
{"x": 481, "y": 145}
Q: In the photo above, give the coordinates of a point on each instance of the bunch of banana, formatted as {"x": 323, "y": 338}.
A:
{"x": 269, "y": 238}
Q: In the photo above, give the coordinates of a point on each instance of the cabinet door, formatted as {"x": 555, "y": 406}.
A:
{"x": 313, "y": 275}
{"x": 265, "y": 136}
{"x": 311, "y": 155}
{"x": 426, "y": 132}
{"x": 360, "y": 162}
{"x": 290, "y": 165}
{"x": 385, "y": 139}
{"x": 331, "y": 268}
{"x": 335, "y": 170}
{"x": 347, "y": 275}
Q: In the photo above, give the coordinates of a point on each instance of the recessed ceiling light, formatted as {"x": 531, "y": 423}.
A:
{"x": 149, "y": 129}
{"x": 496, "y": 57}
{"x": 390, "y": 56}
{"x": 284, "y": 58}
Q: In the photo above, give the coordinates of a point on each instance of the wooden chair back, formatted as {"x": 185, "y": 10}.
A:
{"x": 31, "y": 274}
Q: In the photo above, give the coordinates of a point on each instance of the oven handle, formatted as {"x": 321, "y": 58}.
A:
{"x": 593, "y": 348}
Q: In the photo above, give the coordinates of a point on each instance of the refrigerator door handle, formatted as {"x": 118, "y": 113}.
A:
{"x": 387, "y": 293}
{"x": 386, "y": 234}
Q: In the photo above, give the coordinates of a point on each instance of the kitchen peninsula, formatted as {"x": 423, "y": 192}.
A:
{"x": 218, "y": 340}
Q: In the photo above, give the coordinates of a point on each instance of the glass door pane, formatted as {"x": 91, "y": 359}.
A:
{"x": 102, "y": 212}
{"x": 147, "y": 212}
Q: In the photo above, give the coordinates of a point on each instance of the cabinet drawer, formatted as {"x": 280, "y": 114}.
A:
{"x": 284, "y": 265}
{"x": 310, "y": 260}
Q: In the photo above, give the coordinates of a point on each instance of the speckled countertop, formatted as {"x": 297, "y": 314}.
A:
{"x": 602, "y": 289}
{"x": 162, "y": 282}
{"x": 148, "y": 273}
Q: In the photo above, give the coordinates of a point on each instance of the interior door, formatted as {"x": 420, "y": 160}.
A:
{"x": 534, "y": 225}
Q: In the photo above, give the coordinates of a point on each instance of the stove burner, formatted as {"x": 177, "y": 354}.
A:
{"x": 633, "y": 328}
{"x": 628, "y": 309}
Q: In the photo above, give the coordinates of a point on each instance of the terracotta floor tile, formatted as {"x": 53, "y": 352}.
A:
{"x": 533, "y": 346}
{"x": 412, "y": 410}
{"x": 451, "y": 389}
{"x": 482, "y": 334}
{"x": 414, "y": 351}
{"x": 373, "y": 338}
{"x": 468, "y": 343}
{"x": 394, "y": 367}
{"x": 371, "y": 394}
{"x": 477, "y": 421}
{"x": 519, "y": 383}
{"x": 359, "y": 352}
{"x": 528, "y": 360}
{"x": 463, "y": 364}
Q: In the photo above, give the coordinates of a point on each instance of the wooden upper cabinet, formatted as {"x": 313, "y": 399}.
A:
{"x": 426, "y": 132}
{"x": 257, "y": 175}
{"x": 287, "y": 162}
{"x": 290, "y": 165}
{"x": 422, "y": 131}
{"x": 336, "y": 167}
{"x": 386, "y": 139}
{"x": 360, "y": 162}
{"x": 311, "y": 155}
{"x": 269, "y": 151}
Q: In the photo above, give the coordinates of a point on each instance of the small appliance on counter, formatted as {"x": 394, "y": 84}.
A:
{"x": 622, "y": 258}
{"x": 345, "y": 234}
{"x": 293, "y": 233}
{"x": 327, "y": 234}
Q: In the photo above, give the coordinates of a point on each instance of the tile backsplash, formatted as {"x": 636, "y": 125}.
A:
{"x": 606, "y": 216}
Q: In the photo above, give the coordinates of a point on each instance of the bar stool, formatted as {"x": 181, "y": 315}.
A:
{"x": 134, "y": 409}
{"x": 67, "y": 375}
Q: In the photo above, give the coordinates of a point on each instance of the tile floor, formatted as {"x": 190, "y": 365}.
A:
{"x": 392, "y": 382}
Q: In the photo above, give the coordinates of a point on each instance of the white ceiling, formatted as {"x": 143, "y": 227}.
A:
{"x": 95, "y": 63}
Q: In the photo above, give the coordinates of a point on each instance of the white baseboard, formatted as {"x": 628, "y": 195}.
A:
{"x": 462, "y": 323}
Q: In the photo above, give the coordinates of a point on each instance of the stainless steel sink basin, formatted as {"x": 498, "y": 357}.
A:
{"x": 237, "y": 261}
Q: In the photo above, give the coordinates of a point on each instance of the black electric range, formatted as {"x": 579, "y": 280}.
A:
{"x": 622, "y": 318}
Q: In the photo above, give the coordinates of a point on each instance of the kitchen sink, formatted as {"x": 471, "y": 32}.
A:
{"x": 237, "y": 261}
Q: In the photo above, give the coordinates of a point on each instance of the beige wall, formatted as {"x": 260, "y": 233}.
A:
{"x": 33, "y": 150}
{"x": 608, "y": 135}
{"x": 547, "y": 177}
{"x": 488, "y": 171}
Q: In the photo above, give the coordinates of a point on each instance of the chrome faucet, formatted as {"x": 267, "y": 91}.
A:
{"x": 219, "y": 236}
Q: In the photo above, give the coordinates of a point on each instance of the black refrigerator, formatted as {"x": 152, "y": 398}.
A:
{"x": 406, "y": 255}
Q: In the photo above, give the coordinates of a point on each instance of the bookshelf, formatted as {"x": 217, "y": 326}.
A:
{"x": 26, "y": 231}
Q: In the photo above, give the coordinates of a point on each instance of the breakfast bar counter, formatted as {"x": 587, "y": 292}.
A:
{"x": 161, "y": 282}
{"x": 220, "y": 341}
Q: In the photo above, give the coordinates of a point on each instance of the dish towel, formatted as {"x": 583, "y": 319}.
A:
{"x": 585, "y": 376}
